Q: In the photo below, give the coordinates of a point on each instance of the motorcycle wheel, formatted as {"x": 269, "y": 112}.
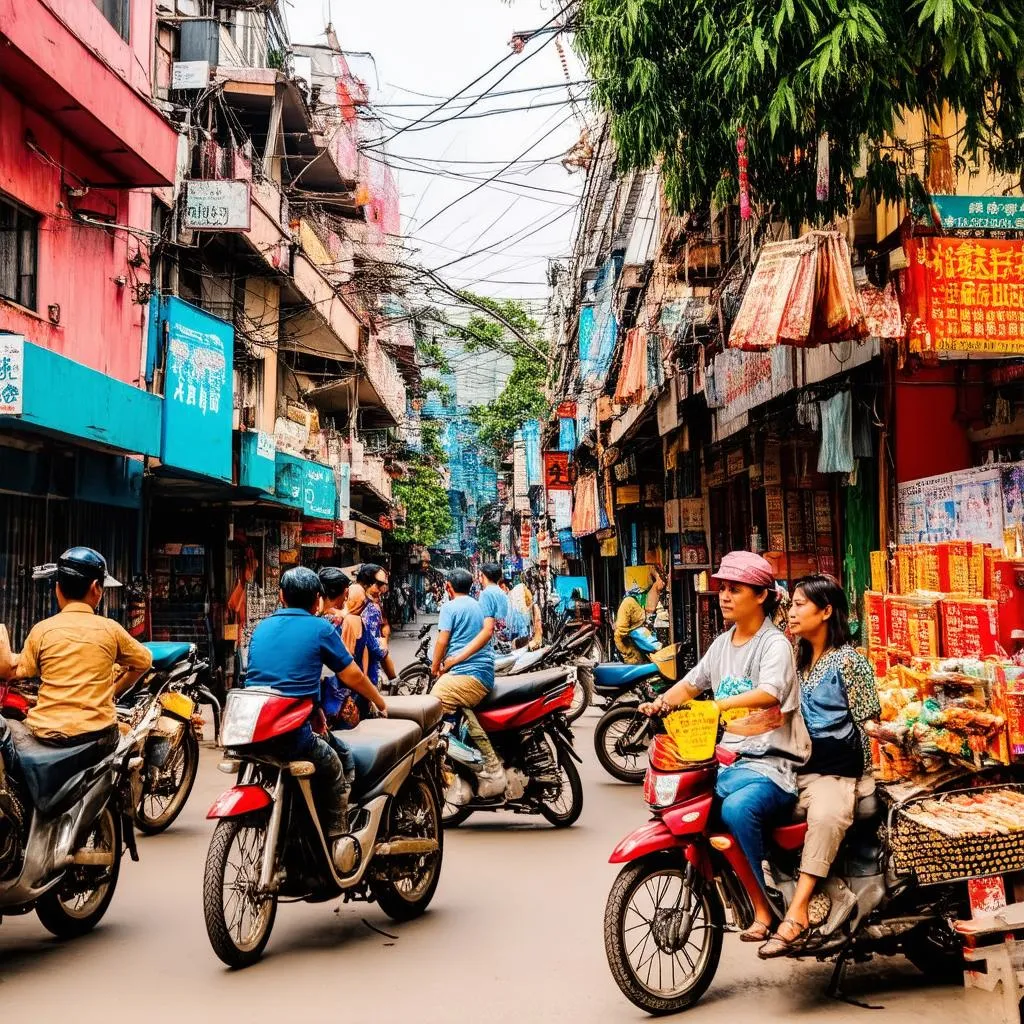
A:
{"x": 78, "y": 903}
{"x": 645, "y": 909}
{"x": 156, "y": 813}
{"x": 583, "y": 694}
{"x": 621, "y": 740}
{"x": 404, "y": 885}
{"x": 237, "y": 923}
{"x": 412, "y": 681}
{"x": 564, "y": 810}
{"x": 933, "y": 948}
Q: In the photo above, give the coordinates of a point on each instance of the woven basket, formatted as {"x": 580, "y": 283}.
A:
{"x": 935, "y": 858}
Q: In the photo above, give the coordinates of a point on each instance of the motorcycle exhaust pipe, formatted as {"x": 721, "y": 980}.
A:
{"x": 92, "y": 858}
{"x": 397, "y": 847}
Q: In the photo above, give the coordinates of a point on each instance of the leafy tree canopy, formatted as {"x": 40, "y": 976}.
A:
{"x": 681, "y": 77}
{"x": 428, "y": 517}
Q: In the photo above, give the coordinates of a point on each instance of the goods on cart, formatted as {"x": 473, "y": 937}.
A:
{"x": 959, "y": 835}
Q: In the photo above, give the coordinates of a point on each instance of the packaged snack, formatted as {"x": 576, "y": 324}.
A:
{"x": 970, "y": 627}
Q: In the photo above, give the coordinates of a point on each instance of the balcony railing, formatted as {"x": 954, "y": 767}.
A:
{"x": 383, "y": 373}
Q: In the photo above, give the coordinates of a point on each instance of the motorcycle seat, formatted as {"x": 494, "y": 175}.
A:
{"x": 423, "y": 710}
{"x": 46, "y": 769}
{"x": 503, "y": 664}
{"x": 619, "y": 676}
{"x": 521, "y": 689}
{"x": 790, "y": 837}
{"x": 167, "y": 655}
{"x": 377, "y": 745}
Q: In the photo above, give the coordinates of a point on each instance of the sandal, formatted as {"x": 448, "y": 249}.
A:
{"x": 777, "y": 946}
{"x": 757, "y": 932}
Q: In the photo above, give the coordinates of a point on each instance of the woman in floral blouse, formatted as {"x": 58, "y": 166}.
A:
{"x": 837, "y": 695}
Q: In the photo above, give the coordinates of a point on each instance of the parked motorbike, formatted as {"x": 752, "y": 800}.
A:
{"x": 164, "y": 704}
{"x": 269, "y": 844}
{"x": 666, "y": 912}
{"x": 65, "y": 817}
{"x": 525, "y": 718}
{"x": 622, "y": 735}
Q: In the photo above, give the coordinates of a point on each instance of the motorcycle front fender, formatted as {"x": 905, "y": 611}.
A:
{"x": 651, "y": 837}
{"x": 238, "y": 801}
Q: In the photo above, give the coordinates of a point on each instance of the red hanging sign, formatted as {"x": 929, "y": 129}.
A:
{"x": 566, "y": 410}
{"x": 556, "y": 471}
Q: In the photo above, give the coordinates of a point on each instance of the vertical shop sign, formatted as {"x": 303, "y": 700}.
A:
{"x": 198, "y": 410}
{"x": 556, "y": 471}
{"x": 319, "y": 496}
{"x": 12, "y": 374}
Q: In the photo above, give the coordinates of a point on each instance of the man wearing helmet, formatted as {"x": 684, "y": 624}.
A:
{"x": 74, "y": 654}
{"x": 287, "y": 654}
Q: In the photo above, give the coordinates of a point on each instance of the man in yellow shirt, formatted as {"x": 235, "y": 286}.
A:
{"x": 632, "y": 614}
{"x": 74, "y": 654}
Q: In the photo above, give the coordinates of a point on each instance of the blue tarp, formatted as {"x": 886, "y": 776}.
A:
{"x": 566, "y": 435}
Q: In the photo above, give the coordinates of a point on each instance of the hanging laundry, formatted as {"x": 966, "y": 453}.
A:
{"x": 566, "y": 435}
{"x": 836, "y": 455}
{"x": 632, "y": 381}
{"x": 584, "y": 505}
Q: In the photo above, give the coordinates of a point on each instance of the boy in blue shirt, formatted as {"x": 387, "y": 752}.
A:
{"x": 465, "y": 643}
{"x": 286, "y": 654}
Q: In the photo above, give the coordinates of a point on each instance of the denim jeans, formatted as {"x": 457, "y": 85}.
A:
{"x": 329, "y": 782}
{"x": 751, "y": 805}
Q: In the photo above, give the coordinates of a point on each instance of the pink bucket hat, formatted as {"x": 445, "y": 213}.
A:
{"x": 746, "y": 567}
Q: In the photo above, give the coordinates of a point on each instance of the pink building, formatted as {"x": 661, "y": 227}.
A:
{"x": 78, "y": 134}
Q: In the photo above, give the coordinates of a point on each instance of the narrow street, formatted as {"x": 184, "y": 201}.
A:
{"x": 514, "y": 934}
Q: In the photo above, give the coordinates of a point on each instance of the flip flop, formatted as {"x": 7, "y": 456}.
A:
{"x": 757, "y": 932}
{"x": 777, "y": 946}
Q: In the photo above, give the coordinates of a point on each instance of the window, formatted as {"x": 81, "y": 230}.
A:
{"x": 118, "y": 13}
{"x": 19, "y": 231}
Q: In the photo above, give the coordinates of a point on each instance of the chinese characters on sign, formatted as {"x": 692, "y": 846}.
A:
{"x": 12, "y": 374}
{"x": 981, "y": 213}
{"x": 556, "y": 471}
{"x": 968, "y": 295}
{"x": 198, "y": 392}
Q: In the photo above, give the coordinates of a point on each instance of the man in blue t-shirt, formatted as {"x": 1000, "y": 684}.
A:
{"x": 459, "y": 628}
{"x": 286, "y": 654}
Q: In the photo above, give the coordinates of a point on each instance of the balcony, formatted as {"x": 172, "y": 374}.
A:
{"x": 369, "y": 473}
{"x": 46, "y": 61}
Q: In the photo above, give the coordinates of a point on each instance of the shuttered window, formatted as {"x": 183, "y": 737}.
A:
{"x": 19, "y": 235}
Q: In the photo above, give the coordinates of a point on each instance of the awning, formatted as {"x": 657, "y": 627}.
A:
{"x": 59, "y": 397}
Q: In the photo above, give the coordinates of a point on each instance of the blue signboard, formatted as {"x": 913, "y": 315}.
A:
{"x": 197, "y": 391}
{"x": 257, "y": 466}
{"x": 306, "y": 485}
{"x": 319, "y": 492}
{"x": 980, "y": 213}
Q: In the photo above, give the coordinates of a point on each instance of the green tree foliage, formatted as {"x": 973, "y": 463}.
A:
{"x": 681, "y": 77}
{"x": 427, "y": 515}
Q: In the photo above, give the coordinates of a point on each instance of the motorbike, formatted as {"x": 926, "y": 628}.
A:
{"x": 66, "y": 816}
{"x": 622, "y": 735}
{"x": 167, "y": 699}
{"x": 161, "y": 706}
{"x": 414, "y": 679}
{"x": 525, "y": 718}
{"x": 666, "y": 912}
{"x": 269, "y": 845}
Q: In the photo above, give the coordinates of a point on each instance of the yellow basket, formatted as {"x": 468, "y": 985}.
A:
{"x": 665, "y": 659}
{"x": 177, "y": 705}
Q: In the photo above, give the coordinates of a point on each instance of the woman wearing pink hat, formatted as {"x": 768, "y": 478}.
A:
{"x": 750, "y": 668}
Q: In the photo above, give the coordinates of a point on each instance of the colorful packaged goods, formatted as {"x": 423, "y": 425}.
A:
{"x": 926, "y": 567}
{"x": 970, "y": 628}
{"x": 954, "y": 561}
{"x": 1006, "y": 587}
{"x": 875, "y": 632}
{"x": 912, "y": 625}
{"x": 879, "y": 572}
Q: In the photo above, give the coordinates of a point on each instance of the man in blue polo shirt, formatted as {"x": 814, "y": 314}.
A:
{"x": 468, "y": 669}
{"x": 287, "y": 653}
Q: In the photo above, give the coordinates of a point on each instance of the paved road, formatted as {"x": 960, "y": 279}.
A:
{"x": 514, "y": 934}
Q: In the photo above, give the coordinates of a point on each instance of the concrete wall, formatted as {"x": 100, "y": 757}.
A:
{"x": 100, "y": 324}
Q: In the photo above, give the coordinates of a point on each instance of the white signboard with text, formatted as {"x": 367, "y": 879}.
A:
{"x": 217, "y": 205}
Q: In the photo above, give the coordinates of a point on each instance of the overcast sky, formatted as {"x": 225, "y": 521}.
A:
{"x": 437, "y": 49}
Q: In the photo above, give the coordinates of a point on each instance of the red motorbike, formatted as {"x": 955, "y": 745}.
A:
{"x": 269, "y": 844}
{"x": 666, "y": 913}
{"x": 525, "y": 718}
